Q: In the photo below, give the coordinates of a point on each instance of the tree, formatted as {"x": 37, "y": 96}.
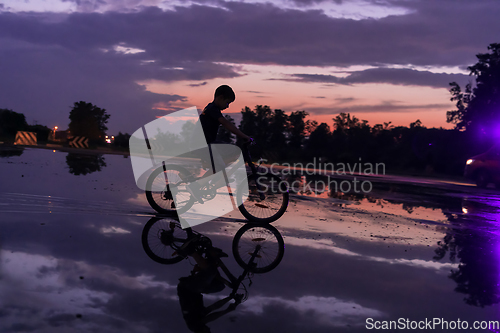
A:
{"x": 89, "y": 121}
{"x": 79, "y": 164}
{"x": 319, "y": 142}
{"x": 343, "y": 122}
{"x": 223, "y": 134}
{"x": 11, "y": 122}
{"x": 416, "y": 124}
{"x": 297, "y": 129}
{"x": 268, "y": 128}
{"x": 122, "y": 140}
{"x": 187, "y": 131}
{"x": 478, "y": 108}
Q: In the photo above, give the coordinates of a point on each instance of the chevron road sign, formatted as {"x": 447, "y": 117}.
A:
{"x": 25, "y": 138}
{"x": 79, "y": 142}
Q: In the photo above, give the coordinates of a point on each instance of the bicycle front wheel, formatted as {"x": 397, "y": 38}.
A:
{"x": 163, "y": 184}
{"x": 268, "y": 242}
{"x": 266, "y": 198}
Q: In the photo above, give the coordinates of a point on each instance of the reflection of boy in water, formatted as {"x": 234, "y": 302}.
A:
{"x": 205, "y": 278}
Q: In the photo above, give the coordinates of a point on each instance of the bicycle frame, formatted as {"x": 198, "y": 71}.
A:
{"x": 232, "y": 281}
{"x": 235, "y": 282}
{"x": 253, "y": 167}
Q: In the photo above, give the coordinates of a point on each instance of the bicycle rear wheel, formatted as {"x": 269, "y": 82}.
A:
{"x": 266, "y": 198}
{"x": 270, "y": 254}
{"x": 160, "y": 239}
{"x": 163, "y": 184}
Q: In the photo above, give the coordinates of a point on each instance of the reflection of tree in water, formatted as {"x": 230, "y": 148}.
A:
{"x": 469, "y": 240}
{"x": 11, "y": 152}
{"x": 478, "y": 273}
{"x": 84, "y": 164}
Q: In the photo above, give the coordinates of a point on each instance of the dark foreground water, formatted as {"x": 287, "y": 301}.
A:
{"x": 71, "y": 257}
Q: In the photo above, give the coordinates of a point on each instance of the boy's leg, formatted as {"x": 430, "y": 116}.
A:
{"x": 220, "y": 165}
{"x": 224, "y": 155}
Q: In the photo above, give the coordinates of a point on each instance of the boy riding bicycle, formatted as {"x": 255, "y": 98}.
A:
{"x": 210, "y": 119}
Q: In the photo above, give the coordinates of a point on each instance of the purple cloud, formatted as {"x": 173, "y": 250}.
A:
{"x": 50, "y": 61}
{"x": 406, "y": 77}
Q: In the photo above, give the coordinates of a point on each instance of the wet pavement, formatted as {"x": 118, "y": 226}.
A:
{"x": 72, "y": 259}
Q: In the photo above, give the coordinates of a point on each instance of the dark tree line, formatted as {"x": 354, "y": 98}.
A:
{"x": 11, "y": 122}
{"x": 347, "y": 139}
{"x": 86, "y": 120}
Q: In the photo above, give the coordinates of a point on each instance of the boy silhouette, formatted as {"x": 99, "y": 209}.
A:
{"x": 211, "y": 118}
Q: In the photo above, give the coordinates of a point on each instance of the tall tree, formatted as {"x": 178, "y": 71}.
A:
{"x": 89, "y": 121}
{"x": 277, "y": 131}
{"x": 297, "y": 129}
{"x": 478, "y": 108}
{"x": 319, "y": 142}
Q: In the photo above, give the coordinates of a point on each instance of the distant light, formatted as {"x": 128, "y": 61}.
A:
{"x": 55, "y": 128}
{"x": 469, "y": 161}
{"x": 53, "y": 151}
{"x": 464, "y": 210}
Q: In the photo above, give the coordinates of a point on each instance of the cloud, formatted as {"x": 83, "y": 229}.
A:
{"x": 432, "y": 34}
{"x": 51, "y": 60}
{"x": 43, "y": 82}
{"x": 198, "y": 84}
{"x": 46, "y": 292}
{"x": 328, "y": 311}
{"x": 386, "y": 106}
{"x": 397, "y": 76}
{"x": 341, "y": 100}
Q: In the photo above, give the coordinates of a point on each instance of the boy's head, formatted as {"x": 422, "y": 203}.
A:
{"x": 224, "y": 96}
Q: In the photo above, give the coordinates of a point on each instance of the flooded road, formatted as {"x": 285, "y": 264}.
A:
{"x": 72, "y": 259}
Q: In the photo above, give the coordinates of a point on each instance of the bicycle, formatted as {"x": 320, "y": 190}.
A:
{"x": 264, "y": 200}
{"x": 256, "y": 248}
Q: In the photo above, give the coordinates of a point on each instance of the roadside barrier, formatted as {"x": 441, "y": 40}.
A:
{"x": 79, "y": 142}
{"x": 25, "y": 138}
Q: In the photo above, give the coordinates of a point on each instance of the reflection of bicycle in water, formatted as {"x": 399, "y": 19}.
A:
{"x": 256, "y": 248}
{"x": 264, "y": 200}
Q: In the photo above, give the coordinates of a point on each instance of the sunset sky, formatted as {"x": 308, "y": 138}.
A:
{"x": 378, "y": 60}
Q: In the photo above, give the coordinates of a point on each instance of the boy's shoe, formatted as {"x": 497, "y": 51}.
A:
{"x": 194, "y": 189}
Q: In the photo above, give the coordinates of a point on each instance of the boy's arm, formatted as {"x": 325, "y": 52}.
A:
{"x": 233, "y": 129}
